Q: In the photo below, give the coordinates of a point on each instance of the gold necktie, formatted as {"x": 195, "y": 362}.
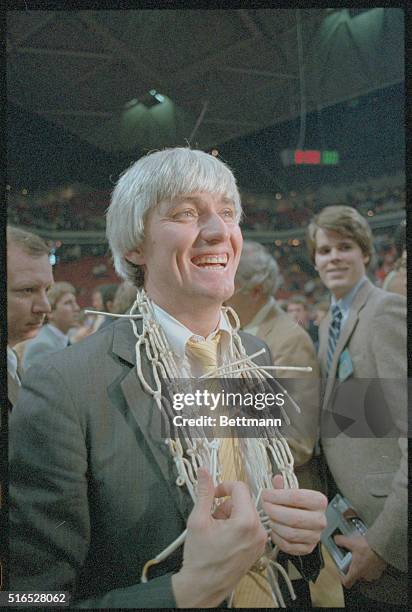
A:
{"x": 205, "y": 352}
{"x": 248, "y": 594}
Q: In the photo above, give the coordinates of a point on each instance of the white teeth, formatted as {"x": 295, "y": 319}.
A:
{"x": 210, "y": 259}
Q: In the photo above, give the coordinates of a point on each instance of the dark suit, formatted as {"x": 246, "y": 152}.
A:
{"x": 92, "y": 484}
{"x": 371, "y": 470}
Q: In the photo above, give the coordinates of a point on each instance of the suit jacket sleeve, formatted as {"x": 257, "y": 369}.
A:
{"x": 49, "y": 507}
{"x": 388, "y": 534}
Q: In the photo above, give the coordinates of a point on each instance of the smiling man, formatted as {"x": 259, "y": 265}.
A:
{"x": 29, "y": 276}
{"x": 109, "y": 493}
{"x": 363, "y": 338}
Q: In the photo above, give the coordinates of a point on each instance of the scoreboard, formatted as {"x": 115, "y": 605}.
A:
{"x": 309, "y": 157}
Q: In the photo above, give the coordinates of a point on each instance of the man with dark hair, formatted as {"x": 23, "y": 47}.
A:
{"x": 29, "y": 276}
{"x": 363, "y": 346}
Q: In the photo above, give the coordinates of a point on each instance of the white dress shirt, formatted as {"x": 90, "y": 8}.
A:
{"x": 178, "y": 335}
{"x": 64, "y": 338}
{"x": 12, "y": 364}
{"x": 345, "y": 302}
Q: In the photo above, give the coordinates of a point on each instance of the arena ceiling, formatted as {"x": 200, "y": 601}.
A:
{"x": 220, "y": 74}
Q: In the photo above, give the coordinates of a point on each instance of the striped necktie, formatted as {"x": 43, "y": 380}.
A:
{"x": 334, "y": 332}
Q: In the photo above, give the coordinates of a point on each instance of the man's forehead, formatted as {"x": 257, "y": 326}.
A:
{"x": 66, "y": 297}
{"x": 22, "y": 265}
{"x": 195, "y": 197}
{"x": 329, "y": 235}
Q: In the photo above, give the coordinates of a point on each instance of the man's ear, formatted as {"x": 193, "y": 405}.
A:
{"x": 256, "y": 293}
{"x": 135, "y": 257}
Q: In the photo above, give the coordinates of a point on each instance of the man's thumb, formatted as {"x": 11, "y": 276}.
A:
{"x": 205, "y": 490}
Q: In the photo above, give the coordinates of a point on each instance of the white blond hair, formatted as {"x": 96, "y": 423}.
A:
{"x": 155, "y": 178}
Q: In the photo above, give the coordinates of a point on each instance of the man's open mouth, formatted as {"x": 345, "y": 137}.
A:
{"x": 211, "y": 262}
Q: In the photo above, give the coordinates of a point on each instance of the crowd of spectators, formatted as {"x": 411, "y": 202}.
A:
{"x": 79, "y": 208}
{"x": 68, "y": 208}
{"x": 294, "y": 209}
{"x": 93, "y": 262}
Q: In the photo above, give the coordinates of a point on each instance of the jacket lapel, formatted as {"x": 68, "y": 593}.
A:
{"x": 323, "y": 335}
{"x": 347, "y": 331}
{"x": 145, "y": 411}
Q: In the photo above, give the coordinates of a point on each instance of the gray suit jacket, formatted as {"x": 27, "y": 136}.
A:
{"x": 43, "y": 344}
{"x": 371, "y": 471}
{"x": 92, "y": 484}
{"x": 291, "y": 345}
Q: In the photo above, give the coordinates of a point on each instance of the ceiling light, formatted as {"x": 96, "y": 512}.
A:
{"x": 156, "y": 95}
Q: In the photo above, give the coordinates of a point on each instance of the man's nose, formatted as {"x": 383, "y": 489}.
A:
{"x": 214, "y": 228}
{"x": 335, "y": 253}
{"x": 41, "y": 303}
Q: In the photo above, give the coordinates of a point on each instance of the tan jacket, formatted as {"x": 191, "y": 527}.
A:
{"x": 371, "y": 471}
{"x": 291, "y": 345}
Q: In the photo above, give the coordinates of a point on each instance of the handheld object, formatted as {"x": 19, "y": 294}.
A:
{"x": 342, "y": 519}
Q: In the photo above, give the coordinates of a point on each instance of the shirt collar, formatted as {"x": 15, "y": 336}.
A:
{"x": 345, "y": 302}
{"x": 178, "y": 334}
{"x": 63, "y": 337}
{"x": 11, "y": 362}
{"x": 260, "y": 316}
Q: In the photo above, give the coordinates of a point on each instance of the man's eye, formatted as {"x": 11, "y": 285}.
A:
{"x": 228, "y": 212}
{"x": 346, "y": 247}
{"x": 27, "y": 290}
{"x": 188, "y": 214}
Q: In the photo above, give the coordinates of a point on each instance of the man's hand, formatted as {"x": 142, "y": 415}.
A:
{"x": 297, "y": 517}
{"x": 365, "y": 564}
{"x": 219, "y": 549}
